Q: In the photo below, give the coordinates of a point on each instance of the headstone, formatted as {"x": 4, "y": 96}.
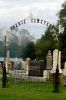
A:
{"x": 49, "y": 61}
{"x": 59, "y": 62}
{"x": 36, "y": 68}
{"x": 56, "y": 61}
{"x": 8, "y": 54}
{"x": 65, "y": 65}
{"x": 7, "y": 61}
{"x": 17, "y": 64}
{"x": 64, "y": 70}
{"x": 48, "y": 64}
{"x": 45, "y": 74}
{"x": 27, "y": 65}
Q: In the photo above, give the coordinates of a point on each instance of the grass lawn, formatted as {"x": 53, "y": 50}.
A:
{"x": 30, "y": 91}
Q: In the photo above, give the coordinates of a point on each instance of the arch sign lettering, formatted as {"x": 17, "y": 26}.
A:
{"x": 33, "y": 20}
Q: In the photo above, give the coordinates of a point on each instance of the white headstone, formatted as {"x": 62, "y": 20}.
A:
{"x": 27, "y": 65}
{"x": 64, "y": 70}
{"x": 45, "y": 75}
{"x": 65, "y": 65}
{"x": 59, "y": 62}
{"x": 8, "y": 54}
{"x": 56, "y": 60}
{"x": 7, "y": 61}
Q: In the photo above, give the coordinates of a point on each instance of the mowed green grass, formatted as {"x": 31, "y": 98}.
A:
{"x": 31, "y": 91}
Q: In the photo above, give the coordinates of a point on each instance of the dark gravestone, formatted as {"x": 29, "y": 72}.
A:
{"x": 36, "y": 68}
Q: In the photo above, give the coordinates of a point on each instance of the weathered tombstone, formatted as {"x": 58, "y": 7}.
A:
{"x": 64, "y": 70}
{"x": 17, "y": 68}
{"x": 56, "y": 70}
{"x": 45, "y": 74}
{"x": 59, "y": 62}
{"x": 17, "y": 64}
{"x": 8, "y": 54}
{"x": 49, "y": 61}
{"x": 64, "y": 75}
{"x": 48, "y": 64}
{"x": 36, "y": 68}
{"x": 27, "y": 65}
{"x": 7, "y": 61}
{"x": 21, "y": 69}
{"x": 56, "y": 61}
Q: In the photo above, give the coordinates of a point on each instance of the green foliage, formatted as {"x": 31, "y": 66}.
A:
{"x": 63, "y": 10}
{"x": 19, "y": 45}
{"x": 29, "y": 51}
{"x": 49, "y": 41}
{"x": 62, "y": 14}
{"x": 14, "y": 50}
{"x": 44, "y": 44}
{"x": 1, "y": 49}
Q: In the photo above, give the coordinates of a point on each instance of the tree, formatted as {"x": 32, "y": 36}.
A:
{"x": 14, "y": 50}
{"x": 45, "y": 43}
{"x": 24, "y": 37}
{"x": 29, "y": 51}
{"x": 16, "y": 42}
{"x": 62, "y": 14}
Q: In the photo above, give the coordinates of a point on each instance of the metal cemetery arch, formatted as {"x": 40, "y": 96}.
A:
{"x": 31, "y": 20}
{"x": 43, "y": 22}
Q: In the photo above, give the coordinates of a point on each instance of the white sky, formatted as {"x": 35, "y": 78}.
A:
{"x": 12, "y": 11}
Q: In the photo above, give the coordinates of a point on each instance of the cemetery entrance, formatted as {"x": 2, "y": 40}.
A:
{"x": 32, "y": 75}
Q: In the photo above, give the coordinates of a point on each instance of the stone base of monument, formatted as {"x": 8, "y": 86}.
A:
{"x": 47, "y": 74}
{"x": 29, "y": 79}
{"x": 36, "y": 79}
{"x": 20, "y": 75}
{"x": 64, "y": 72}
{"x": 54, "y": 71}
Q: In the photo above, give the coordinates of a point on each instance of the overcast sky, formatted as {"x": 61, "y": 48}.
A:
{"x": 12, "y": 11}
